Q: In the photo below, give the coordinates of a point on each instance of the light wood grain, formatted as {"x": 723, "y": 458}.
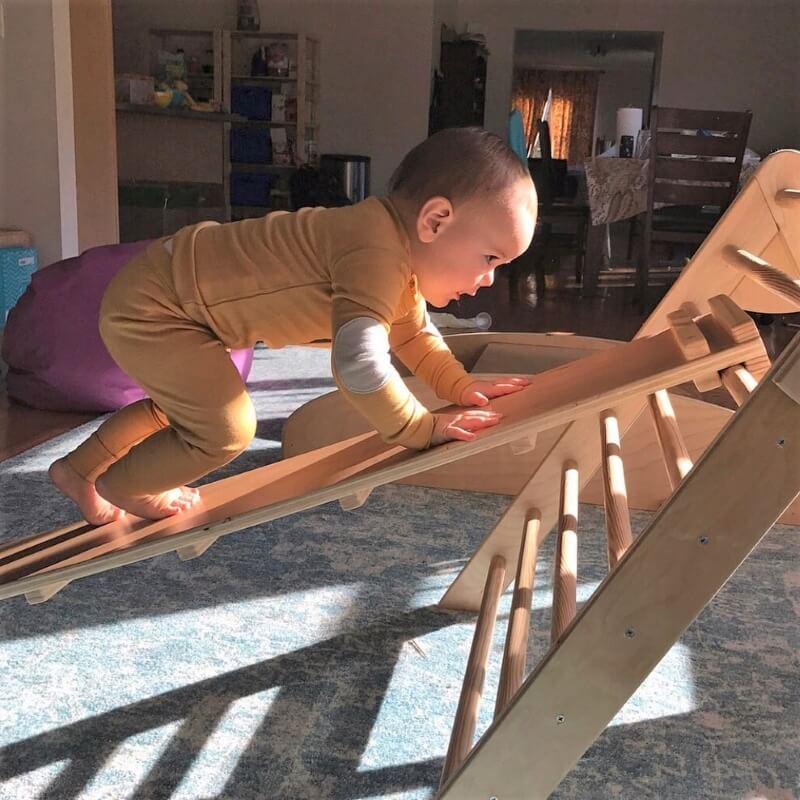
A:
{"x": 618, "y": 517}
{"x": 741, "y": 327}
{"x": 471, "y": 690}
{"x": 739, "y": 383}
{"x": 767, "y": 275}
{"x": 553, "y": 398}
{"x": 677, "y": 460}
{"x": 688, "y": 336}
{"x": 495, "y": 470}
{"x": 565, "y": 562}
{"x": 512, "y": 671}
{"x": 755, "y": 222}
{"x": 674, "y": 568}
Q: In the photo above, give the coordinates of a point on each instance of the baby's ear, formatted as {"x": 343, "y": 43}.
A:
{"x": 435, "y": 214}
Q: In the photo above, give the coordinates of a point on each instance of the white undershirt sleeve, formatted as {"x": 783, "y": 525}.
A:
{"x": 361, "y": 356}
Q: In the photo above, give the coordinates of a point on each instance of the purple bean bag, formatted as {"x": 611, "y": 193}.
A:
{"x": 56, "y": 359}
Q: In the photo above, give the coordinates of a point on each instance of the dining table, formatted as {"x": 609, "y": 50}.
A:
{"x": 616, "y": 189}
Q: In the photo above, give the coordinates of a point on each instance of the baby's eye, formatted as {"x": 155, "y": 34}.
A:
{"x": 489, "y": 259}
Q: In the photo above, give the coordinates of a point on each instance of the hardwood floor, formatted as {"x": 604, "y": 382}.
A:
{"x": 513, "y": 307}
{"x": 22, "y": 428}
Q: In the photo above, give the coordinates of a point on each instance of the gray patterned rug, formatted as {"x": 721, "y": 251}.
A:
{"x": 306, "y": 659}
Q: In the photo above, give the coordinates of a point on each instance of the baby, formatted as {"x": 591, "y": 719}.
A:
{"x": 460, "y": 205}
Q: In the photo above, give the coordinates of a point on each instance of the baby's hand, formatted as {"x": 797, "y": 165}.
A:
{"x": 461, "y": 425}
{"x": 479, "y": 392}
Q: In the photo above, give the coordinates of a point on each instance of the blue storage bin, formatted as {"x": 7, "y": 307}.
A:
{"x": 251, "y": 145}
{"x": 251, "y": 189}
{"x": 253, "y": 102}
{"x": 17, "y": 265}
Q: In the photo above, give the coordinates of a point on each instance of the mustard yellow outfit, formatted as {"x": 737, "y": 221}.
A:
{"x": 321, "y": 274}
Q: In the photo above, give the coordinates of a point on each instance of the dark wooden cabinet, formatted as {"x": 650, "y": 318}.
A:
{"x": 459, "y": 91}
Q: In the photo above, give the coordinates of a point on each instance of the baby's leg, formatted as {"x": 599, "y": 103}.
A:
{"x": 189, "y": 375}
{"x": 75, "y": 474}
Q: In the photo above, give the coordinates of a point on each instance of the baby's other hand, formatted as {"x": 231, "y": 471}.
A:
{"x": 461, "y": 425}
{"x": 480, "y": 392}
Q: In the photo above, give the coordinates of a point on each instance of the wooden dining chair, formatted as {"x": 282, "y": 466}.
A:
{"x": 695, "y": 161}
{"x": 562, "y": 222}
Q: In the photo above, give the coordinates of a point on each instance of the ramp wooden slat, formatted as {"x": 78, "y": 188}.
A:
{"x": 494, "y": 470}
{"x": 554, "y": 398}
{"x": 672, "y": 571}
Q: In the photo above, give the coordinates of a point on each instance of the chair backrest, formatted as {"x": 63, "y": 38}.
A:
{"x": 695, "y": 156}
{"x": 548, "y": 173}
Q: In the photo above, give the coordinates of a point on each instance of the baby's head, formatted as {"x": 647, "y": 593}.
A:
{"x": 469, "y": 206}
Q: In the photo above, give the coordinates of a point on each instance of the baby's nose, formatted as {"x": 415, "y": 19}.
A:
{"x": 488, "y": 279}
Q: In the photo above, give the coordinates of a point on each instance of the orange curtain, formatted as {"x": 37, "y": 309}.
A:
{"x": 572, "y": 111}
{"x": 528, "y": 96}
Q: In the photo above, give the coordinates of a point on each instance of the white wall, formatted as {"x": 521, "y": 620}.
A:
{"x": 621, "y": 85}
{"x": 375, "y": 63}
{"x": 720, "y": 54}
{"x": 29, "y": 163}
{"x": 445, "y": 12}
{"x": 376, "y": 67}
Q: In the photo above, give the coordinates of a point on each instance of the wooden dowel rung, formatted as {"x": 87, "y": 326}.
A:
{"x": 565, "y": 567}
{"x": 519, "y": 622}
{"x": 618, "y": 517}
{"x": 676, "y": 456}
{"x": 739, "y": 383}
{"x": 761, "y": 271}
{"x": 787, "y": 194}
{"x": 467, "y": 712}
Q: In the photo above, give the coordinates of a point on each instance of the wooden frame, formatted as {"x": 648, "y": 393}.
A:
{"x": 636, "y": 614}
{"x": 346, "y": 469}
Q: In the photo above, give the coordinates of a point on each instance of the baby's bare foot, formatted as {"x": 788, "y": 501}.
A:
{"x": 94, "y": 508}
{"x": 152, "y": 506}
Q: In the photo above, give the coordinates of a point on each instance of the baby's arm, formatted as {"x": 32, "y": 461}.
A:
{"x": 420, "y": 346}
{"x": 367, "y": 288}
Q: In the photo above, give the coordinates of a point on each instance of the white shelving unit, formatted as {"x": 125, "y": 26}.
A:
{"x": 298, "y": 82}
{"x": 202, "y": 54}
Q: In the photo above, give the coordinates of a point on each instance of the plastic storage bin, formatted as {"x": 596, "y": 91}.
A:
{"x": 251, "y": 189}
{"x": 17, "y": 265}
{"x": 253, "y": 102}
{"x": 251, "y": 145}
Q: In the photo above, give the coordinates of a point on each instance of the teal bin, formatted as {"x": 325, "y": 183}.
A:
{"x": 17, "y": 265}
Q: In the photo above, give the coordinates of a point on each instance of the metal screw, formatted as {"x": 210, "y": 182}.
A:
{"x": 781, "y": 442}
{"x": 703, "y": 540}
{"x": 630, "y": 633}
{"x": 560, "y": 719}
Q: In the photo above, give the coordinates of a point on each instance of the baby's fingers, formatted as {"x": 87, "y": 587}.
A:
{"x": 476, "y": 420}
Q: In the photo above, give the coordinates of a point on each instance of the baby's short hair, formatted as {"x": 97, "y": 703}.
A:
{"x": 456, "y": 163}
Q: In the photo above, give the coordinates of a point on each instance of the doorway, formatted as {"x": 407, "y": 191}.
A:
{"x": 606, "y": 70}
